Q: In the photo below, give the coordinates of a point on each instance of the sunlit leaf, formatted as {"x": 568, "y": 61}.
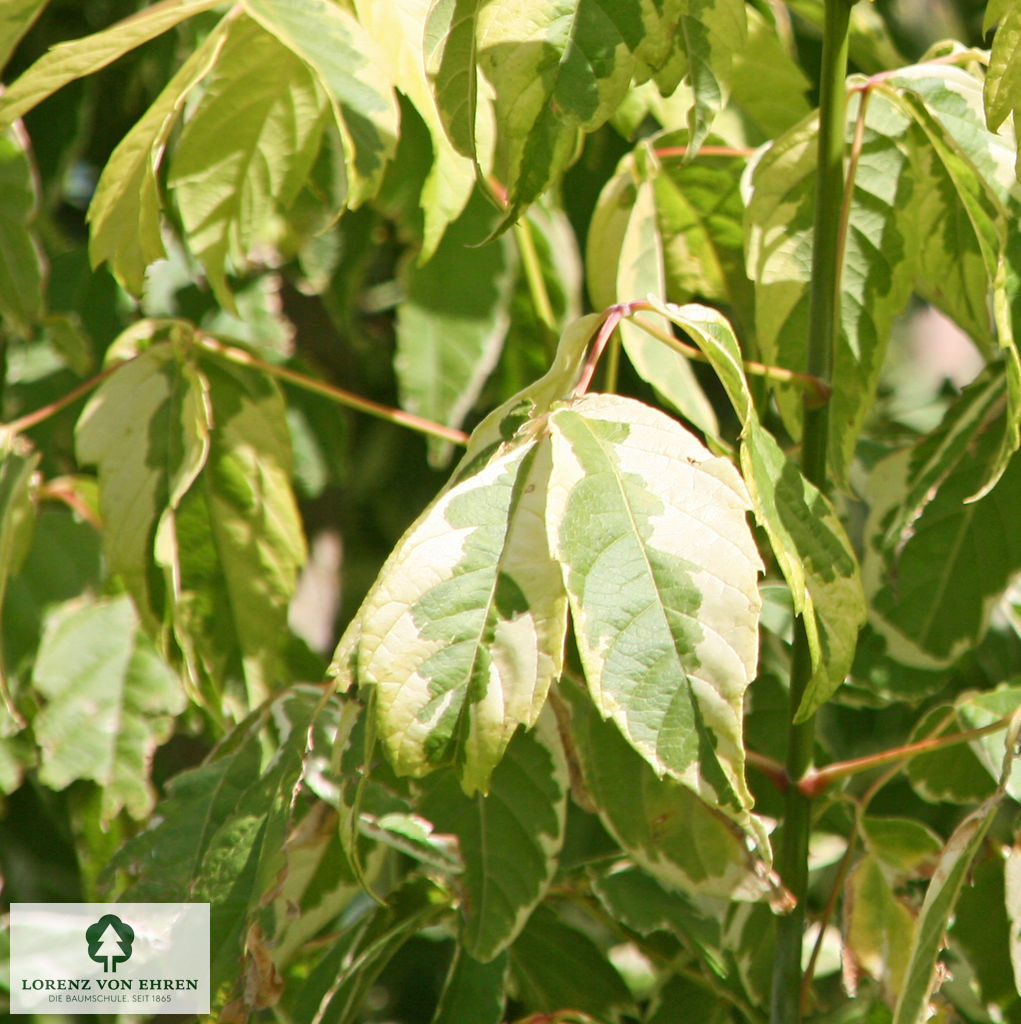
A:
{"x": 808, "y": 539}
{"x": 398, "y": 29}
{"x": 124, "y": 214}
{"x": 625, "y": 262}
{"x": 343, "y": 58}
{"x": 67, "y": 61}
{"x": 109, "y": 702}
{"x": 925, "y": 215}
{"x": 15, "y": 20}
{"x": 246, "y": 150}
{"x": 509, "y": 838}
{"x": 146, "y": 429}
{"x": 663, "y": 594}
{"x": 1003, "y": 79}
{"x": 233, "y": 547}
{"x": 463, "y": 632}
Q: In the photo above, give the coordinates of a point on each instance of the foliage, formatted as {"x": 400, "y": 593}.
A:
{"x": 661, "y": 550}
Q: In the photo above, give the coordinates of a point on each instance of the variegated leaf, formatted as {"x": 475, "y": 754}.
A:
{"x": 464, "y": 630}
{"x": 661, "y": 571}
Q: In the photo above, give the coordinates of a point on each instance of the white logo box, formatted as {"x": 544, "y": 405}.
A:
{"x": 137, "y": 958}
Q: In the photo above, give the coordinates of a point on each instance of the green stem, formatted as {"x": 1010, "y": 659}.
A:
{"x": 532, "y": 266}
{"x": 824, "y": 326}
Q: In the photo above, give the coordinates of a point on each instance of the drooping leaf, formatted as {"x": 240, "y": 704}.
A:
{"x": 452, "y": 322}
{"x": 509, "y": 838}
{"x": 398, "y": 29}
{"x": 109, "y": 702}
{"x": 343, "y": 57}
{"x": 686, "y": 845}
{"x": 463, "y": 632}
{"x": 246, "y": 150}
{"x": 876, "y": 282}
{"x": 124, "y": 214}
{"x": 22, "y": 264}
{"x": 233, "y": 548}
{"x": 807, "y": 538}
{"x": 67, "y": 61}
{"x": 625, "y": 262}
{"x": 146, "y": 429}
{"x": 936, "y": 561}
{"x": 663, "y": 594}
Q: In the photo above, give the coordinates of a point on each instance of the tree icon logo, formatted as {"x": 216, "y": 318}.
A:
{"x": 110, "y": 941}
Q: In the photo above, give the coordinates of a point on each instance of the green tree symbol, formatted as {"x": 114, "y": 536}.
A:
{"x": 110, "y": 941}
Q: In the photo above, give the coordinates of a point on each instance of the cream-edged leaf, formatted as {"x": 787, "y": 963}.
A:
{"x": 661, "y": 570}
{"x": 463, "y": 632}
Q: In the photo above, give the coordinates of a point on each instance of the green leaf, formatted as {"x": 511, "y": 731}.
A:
{"x": 22, "y": 264}
{"x": 1012, "y": 887}
{"x": 246, "y": 150}
{"x": 342, "y": 56}
{"x": 335, "y": 990}
{"x": 556, "y": 966}
{"x": 925, "y": 214}
{"x": 921, "y": 975}
{"x": 808, "y": 539}
{"x": 451, "y": 54}
{"x": 936, "y": 562}
{"x": 219, "y": 835}
{"x": 109, "y": 702}
{"x": 124, "y": 214}
{"x": 509, "y": 838}
{"x": 15, "y": 20}
{"x": 397, "y": 29}
{"x": 709, "y": 33}
{"x": 1002, "y": 93}
{"x": 878, "y": 927}
{"x": 146, "y": 429}
{"x": 17, "y": 524}
{"x": 685, "y": 844}
{"x": 233, "y": 548}
{"x": 903, "y": 847}
{"x": 67, "y": 61}
{"x": 663, "y": 595}
{"x": 877, "y": 278}
{"x": 463, "y": 632}
{"x": 473, "y": 992}
{"x": 452, "y": 322}
{"x": 625, "y": 262}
